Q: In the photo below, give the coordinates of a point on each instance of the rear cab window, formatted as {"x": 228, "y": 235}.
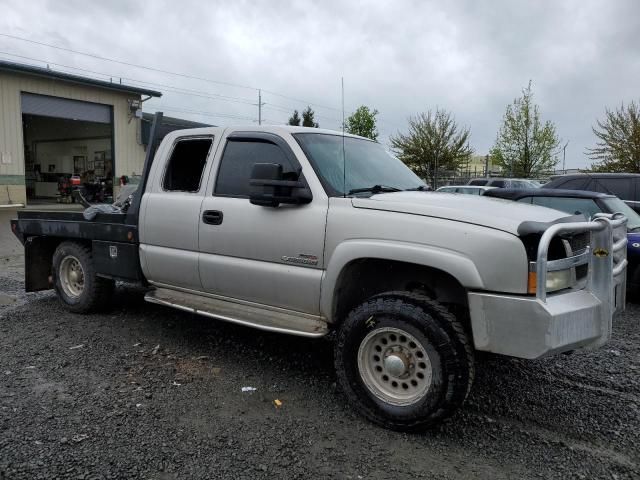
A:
{"x": 186, "y": 164}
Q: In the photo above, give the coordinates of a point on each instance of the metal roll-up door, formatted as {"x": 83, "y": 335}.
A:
{"x": 57, "y": 107}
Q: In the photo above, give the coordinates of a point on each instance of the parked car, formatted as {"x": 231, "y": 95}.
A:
{"x": 503, "y": 182}
{"x": 466, "y": 189}
{"x": 260, "y": 226}
{"x": 588, "y": 204}
{"x": 625, "y": 186}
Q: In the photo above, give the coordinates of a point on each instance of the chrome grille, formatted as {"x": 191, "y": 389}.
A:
{"x": 577, "y": 244}
{"x": 579, "y": 241}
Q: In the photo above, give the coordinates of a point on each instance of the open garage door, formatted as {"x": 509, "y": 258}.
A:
{"x": 65, "y": 139}
{"x": 56, "y": 107}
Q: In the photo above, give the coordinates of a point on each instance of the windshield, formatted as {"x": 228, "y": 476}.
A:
{"x": 615, "y": 205}
{"x": 367, "y": 164}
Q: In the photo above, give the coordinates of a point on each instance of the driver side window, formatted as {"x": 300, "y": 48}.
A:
{"x": 237, "y": 162}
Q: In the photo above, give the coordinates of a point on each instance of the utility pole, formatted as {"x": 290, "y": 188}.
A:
{"x": 564, "y": 156}
{"x": 486, "y": 166}
{"x": 260, "y": 105}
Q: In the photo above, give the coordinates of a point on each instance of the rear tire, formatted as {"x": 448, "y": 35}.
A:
{"x": 75, "y": 281}
{"x": 404, "y": 361}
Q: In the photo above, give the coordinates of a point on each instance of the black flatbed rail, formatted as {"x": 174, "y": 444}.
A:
{"x": 73, "y": 225}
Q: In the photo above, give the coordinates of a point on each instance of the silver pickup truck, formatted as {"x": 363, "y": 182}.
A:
{"x": 306, "y": 232}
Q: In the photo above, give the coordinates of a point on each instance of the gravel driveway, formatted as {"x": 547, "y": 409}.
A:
{"x": 147, "y": 392}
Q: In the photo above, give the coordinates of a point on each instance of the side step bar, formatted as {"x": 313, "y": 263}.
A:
{"x": 251, "y": 316}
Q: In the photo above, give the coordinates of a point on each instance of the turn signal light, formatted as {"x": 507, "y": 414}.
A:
{"x": 532, "y": 282}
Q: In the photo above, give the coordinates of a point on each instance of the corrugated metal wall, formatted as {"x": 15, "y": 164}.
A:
{"x": 128, "y": 154}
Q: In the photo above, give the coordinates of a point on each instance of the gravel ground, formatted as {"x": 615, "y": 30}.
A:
{"x": 147, "y": 392}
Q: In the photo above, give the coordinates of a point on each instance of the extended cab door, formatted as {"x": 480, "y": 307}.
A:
{"x": 268, "y": 255}
{"x": 170, "y": 211}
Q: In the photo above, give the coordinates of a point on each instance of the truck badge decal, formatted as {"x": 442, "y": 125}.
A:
{"x": 113, "y": 251}
{"x": 600, "y": 252}
{"x": 301, "y": 259}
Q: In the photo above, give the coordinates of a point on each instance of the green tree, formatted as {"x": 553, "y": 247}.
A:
{"x": 362, "y": 122}
{"x": 618, "y": 148}
{"x": 434, "y": 143}
{"x": 294, "y": 119}
{"x": 307, "y": 118}
{"x": 525, "y": 146}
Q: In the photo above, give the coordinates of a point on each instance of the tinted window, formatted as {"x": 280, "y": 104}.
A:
{"x": 185, "y": 166}
{"x": 521, "y": 184}
{"x": 237, "y": 162}
{"x": 573, "y": 184}
{"x": 478, "y": 181}
{"x": 615, "y": 205}
{"x": 573, "y": 206}
{"x": 498, "y": 183}
{"x": 620, "y": 187}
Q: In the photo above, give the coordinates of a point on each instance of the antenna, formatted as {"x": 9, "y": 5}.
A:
{"x": 344, "y": 158}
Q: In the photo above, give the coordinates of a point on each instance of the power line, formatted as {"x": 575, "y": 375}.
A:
{"x": 172, "y": 88}
{"x": 169, "y": 88}
{"x": 185, "y": 91}
{"x": 159, "y": 70}
{"x": 106, "y": 59}
{"x": 171, "y": 108}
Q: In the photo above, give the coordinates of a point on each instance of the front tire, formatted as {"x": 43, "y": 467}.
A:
{"x": 404, "y": 361}
{"x": 75, "y": 281}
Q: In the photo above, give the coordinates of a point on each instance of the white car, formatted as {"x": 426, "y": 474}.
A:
{"x": 466, "y": 189}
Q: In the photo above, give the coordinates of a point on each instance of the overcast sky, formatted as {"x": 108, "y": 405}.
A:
{"x": 400, "y": 57}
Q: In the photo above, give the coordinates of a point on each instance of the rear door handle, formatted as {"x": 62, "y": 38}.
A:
{"x": 212, "y": 217}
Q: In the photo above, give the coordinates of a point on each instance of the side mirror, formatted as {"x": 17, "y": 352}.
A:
{"x": 269, "y": 188}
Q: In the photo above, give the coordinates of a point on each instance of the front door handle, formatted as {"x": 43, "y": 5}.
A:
{"x": 212, "y": 217}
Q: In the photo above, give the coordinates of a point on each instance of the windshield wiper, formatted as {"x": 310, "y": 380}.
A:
{"x": 421, "y": 188}
{"x": 374, "y": 189}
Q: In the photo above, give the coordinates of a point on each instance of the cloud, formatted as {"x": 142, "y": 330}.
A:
{"x": 399, "y": 57}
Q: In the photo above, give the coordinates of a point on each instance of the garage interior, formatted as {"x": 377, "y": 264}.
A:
{"x": 65, "y": 138}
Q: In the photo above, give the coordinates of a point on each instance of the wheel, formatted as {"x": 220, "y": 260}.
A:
{"x": 75, "y": 280}
{"x": 404, "y": 361}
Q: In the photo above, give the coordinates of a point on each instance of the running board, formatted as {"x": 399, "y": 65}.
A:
{"x": 251, "y": 316}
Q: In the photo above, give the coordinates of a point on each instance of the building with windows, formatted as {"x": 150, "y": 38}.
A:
{"x": 54, "y": 125}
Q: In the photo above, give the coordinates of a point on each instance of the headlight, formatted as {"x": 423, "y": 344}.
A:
{"x": 556, "y": 280}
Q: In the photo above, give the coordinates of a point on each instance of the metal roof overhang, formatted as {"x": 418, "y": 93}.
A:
{"x": 67, "y": 77}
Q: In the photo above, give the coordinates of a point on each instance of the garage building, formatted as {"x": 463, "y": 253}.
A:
{"x": 54, "y": 125}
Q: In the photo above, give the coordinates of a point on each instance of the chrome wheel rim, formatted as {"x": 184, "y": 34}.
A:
{"x": 71, "y": 276}
{"x": 394, "y": 366}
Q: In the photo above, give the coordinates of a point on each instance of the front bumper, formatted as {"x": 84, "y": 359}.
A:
{"x": 527, "y": 327}
{"x": 547, "y": 324}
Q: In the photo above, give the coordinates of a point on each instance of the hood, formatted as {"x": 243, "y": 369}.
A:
{"x": 512, "y": 217}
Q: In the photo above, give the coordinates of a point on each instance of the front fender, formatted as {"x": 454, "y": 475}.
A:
{"x": 454, "y": 263}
